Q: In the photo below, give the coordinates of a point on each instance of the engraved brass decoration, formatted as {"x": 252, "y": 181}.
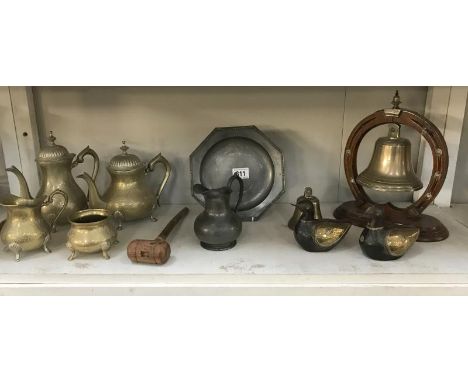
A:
{"x": 398, "y": 241}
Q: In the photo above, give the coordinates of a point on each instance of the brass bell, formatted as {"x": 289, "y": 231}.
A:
{"x": 390, "y": 168}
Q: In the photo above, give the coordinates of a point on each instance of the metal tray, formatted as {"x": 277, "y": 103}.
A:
{"x": 246, "y": 150}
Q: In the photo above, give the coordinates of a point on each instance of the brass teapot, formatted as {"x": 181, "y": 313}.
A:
{"x": 128, "y": 197}
{"x": 56, "y": 163}
{"x": 25, "y": 228}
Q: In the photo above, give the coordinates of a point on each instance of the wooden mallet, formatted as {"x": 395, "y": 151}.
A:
{"x": 155, "y": 251}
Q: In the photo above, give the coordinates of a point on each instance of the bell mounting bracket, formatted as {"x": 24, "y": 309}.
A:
{"x": 431, "y": 229}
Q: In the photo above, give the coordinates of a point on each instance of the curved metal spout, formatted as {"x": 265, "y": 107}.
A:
{"x": 95, "y": 199}
{"x": 24, "y": 188}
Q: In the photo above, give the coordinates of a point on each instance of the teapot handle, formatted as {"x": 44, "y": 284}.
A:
{"x": 241, "y": 188}
{"x": 80, "y": 159}
{"x": 49, "y": 200}
{"x": 150, "y": 168}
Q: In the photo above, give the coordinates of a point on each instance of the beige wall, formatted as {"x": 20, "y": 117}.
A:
{"x": 460, "y": 185}
{"x": 2, "y": 161}
{"x": 307, "y": 123}
{"x": 5, "y": 111}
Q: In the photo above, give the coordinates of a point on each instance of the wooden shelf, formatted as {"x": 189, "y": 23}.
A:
{"x": 266, "y": 260}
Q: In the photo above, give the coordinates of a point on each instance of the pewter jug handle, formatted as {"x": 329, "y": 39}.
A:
{"x": 150, "y": 168}
{"x": 80, "y": 159}
{"x": 241, "y": 188}
{"x": 50, "y": 199}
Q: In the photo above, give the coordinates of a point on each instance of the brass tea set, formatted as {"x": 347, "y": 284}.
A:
{"x": 94, "y": 221}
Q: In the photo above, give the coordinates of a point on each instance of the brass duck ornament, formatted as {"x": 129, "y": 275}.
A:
{"x": 386, "y": 243}
{"x": 314, "y": 233}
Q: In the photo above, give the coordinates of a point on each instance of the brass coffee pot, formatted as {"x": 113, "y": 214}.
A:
{"x": 390, "y": 168}
{"x": 128, "y": 197}
{"x": 25, "y": 228}
{"x": 56, "y": 163}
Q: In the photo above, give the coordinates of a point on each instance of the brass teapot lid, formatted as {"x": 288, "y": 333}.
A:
{"x": 124, "y": 161}
{"x": 53, "y": 152}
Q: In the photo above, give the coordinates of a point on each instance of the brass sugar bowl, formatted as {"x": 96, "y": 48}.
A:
{"x": 91, "y": 231}
{"x": 128, "y": 197}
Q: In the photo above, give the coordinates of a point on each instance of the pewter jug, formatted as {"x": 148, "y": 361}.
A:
{"x": 25, "y": 228}
{"x": 218, "y": 226}
{"x": 56, "y": 163}
{"x": 128, "y": 197}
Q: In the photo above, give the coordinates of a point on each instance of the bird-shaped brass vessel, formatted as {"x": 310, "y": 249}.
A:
{"x": 386, "y": 243}
{"x": 315, "y": 234}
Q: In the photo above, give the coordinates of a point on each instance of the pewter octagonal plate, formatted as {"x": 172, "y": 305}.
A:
{"x": 246, "y": 150}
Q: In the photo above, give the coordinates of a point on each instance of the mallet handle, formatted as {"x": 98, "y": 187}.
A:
{"x": 171, "y": 225}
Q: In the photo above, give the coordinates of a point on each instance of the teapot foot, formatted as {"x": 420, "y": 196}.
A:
{"x": 218, "y": 247}
{"x": 45, "y": 244}
{"x": 72, "y": 256}
{"x": 16, "y": 249}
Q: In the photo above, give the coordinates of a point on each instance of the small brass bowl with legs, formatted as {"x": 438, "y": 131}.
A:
{"x": 91, "y": 231}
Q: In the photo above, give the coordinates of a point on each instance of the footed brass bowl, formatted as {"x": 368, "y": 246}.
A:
{"x": 91, "y": 231}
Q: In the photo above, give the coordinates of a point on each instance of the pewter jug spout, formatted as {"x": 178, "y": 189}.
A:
{"x": 95, "y": 199}
{"x": 24, "y": 189}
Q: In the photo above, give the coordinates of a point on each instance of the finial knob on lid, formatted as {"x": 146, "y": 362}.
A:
{"x": 124, "y": 161}
{"x": 51, "y": 138}
{"x": 124, "y": 147}
{"x": 396, "y": 100}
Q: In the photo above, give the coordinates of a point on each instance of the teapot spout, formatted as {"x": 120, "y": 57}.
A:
{"x": 24, "y": 188}
{"x": 95, "y": 199}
